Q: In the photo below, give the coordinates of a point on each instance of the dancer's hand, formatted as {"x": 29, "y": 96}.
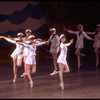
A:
{"x": 9, "y": 36}
{"x": 93, "y": 39}
{"x": 1, "y": 37}
{"x": 47, "y": 43}
{"x": 71, "y": 41}
{"x": 39, "y": 39}
{"x": 65, "y": 29}
{"x": 32, "y": 45}
{"x": 60, "y": 48}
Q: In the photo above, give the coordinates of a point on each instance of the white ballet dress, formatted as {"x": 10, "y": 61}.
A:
{"x": 18, "y": 52}
{"x": 79, "y": 42}
{"x": 63, "y": 53}
{"x": 97, "y": 41}
{"x": 25, "y": 51}
{"x": 32, "y": 53}
{"x": 54, "y": 43}
{"x": 97, "y": 38}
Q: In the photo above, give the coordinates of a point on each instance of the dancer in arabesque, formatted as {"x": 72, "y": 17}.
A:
{"x": 17, "y": 54}
{"x": 79, "y": 43}
{"x": 63, "y": 65}
{"x": 96, "y": 44}
{"x": 30, "y": 60}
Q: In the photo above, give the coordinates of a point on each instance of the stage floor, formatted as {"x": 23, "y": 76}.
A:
{"x": 78, "y": 84}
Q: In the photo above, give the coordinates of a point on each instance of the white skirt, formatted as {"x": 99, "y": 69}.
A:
{"x": 25, "y": 52}
{"x": 17, "y": 54}
{"x": 62, "y": 59}
{"x": 30, "y": 60}
{"x": 79, "y": 44}
{"x": 54, "y": 50}
{"x": 96, "y": 44}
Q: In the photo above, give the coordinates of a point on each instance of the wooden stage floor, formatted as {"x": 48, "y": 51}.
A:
{"x": 78, "y": 84}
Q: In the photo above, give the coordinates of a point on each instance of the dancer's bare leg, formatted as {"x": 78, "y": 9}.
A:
{"x": 33, "y": 69}
{"x": 55, "y": 63}
{"x": 97, "y": 56}
{"x": 61, "y": 67}
{"x": 29, "y": 74}
{"x": 19, "y": 62}
{"x": 55, "y": 60}
{"x": 25, "y": 69}
{"x": 15, "y": 69}
{"x": 77, "y": 52}
{"x": 66, "y": 68}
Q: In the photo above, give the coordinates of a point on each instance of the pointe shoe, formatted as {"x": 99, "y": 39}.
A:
{"x": 97, "y": 64}
{"x": 31, "y": 84}
{"x": 14, "y": 80}
{"x": 79, "y": 66}
{"x": 23, "y": 75}
{"x": 62, "y": 86}
{"x": 82, "y": 54}
{"x": 54, "y": 72}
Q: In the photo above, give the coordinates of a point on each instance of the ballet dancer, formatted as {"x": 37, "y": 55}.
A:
{"x": 96, "y": 44}
{"x": 28, "y": 32}
{"x": 54, "y": 39}
{"x": 63, "y": 66}
{"x": 79, "y": 43}
{"x": 17, "y": 54}
{"x": 30, "y": 60}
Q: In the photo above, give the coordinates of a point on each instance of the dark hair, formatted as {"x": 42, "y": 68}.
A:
{"x": 54, "y": 35}
{"x": 96, "y": 32}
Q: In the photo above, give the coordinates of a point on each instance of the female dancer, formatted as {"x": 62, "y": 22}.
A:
{"x": 30, "y": 60}
{"x": 63, "y": 66}
{"x": 79, "y": 43}
{"x": 54, "y": 39}
{"x": 96, "y": 44}
{"x": 17, "y": 53}
{"x": 25, "y": 51}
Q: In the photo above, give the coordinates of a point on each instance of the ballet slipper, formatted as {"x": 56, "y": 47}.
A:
{"x": 23, "y": 75}
{"x": 97, "y": 63}
{"x": 15, "y": 78}
{"x": 81, "y": 54}
{"x": 54, "y": 72}
{"x": 31, "y": 84}
{"x": 79, "y": 64}
{"x": 62, "y": 86}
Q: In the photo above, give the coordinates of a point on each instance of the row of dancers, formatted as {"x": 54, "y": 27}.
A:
{"x": 26, "y": 49}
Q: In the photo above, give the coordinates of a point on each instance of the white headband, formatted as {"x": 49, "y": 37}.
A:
{"x": 20, "y": 34}
{"x": 31, "y": 36}
{"x": 28, "y": 30}
{"x": 52, "y": 29}
{"x": 62, "y": 35}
